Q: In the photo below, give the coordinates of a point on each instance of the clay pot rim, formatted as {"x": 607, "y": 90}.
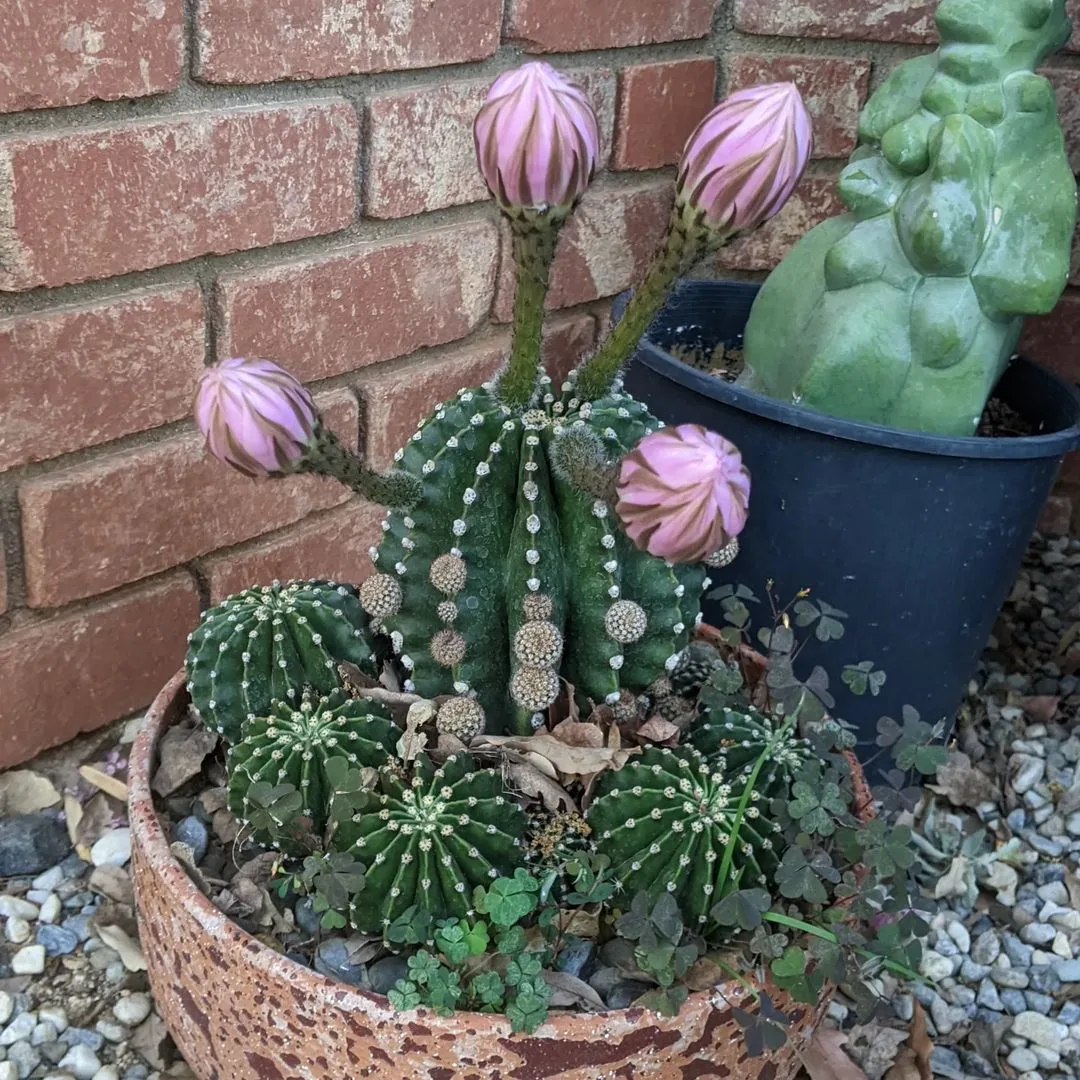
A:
{"x": 147, "y": 834}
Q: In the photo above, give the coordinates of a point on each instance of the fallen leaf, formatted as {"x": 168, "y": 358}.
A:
{"x": 413, "y": 741}
{"x": 449, "y": 744}
{"x": 363, "y": 948}
{"x": 954, "y": 882}
{"x": 354, "y": 679}
{"x": 913, "y": 1061}
{"x": 570, "y": 762}
{"x": 73, "y": 813}
{"x": 260, "y": 869}
{"x": 567, "y": 990}
{"x": 104, "y": 782}
{"x": 575, "y": 733}
{"x": 659, "y": 731}
{"x": 226, "y": 827}
{"x": 150, "y": 1040}
{"x": 113, "y": 882}
{"x": 874, "y": 1048}
{"x": 579, "y": 922}
{"x": 704, "y": 974}
{"x": 25, "y": 792}
{"x": 182, "y": 753}
{"x": 1042, "y": 708}
{"x": 824, "y": 1057}
{"x": 131, "y": 954}
{"x": 184, "y": 854}
{"x": 541, "y": 764}
{"x": 962, "y": 784}
{"x": 214, "y": 799}
{"x": 614, "y": 737}
{"x": 522, "y": 777}
{"x": 97, "y": 816}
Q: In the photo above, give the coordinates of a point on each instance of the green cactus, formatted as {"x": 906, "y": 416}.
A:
{"x": 665, "y": 819}
{"x": 292, "y": 744}
{"x": 268, "y": 644}
{"x": 506, "y": 577}
{"x": 695, "y": 667}
{"x": 962, "y": 202}
{"x": 429, "y": 840}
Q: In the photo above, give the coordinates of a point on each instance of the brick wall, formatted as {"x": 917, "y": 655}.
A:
{"x": 186, "y": 181}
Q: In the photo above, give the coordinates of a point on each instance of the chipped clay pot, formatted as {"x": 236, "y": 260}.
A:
{"x": 240, "y": 1011}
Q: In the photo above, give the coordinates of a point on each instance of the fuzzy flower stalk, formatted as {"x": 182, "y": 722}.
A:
{"x": 739, "y": 167}
{"x": 683, "y": 494}
{"x": 537, "y": 143}
{"x": 262, "y": 421}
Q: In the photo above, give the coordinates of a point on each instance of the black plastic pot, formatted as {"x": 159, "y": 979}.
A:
{"x": 917, "y": 537}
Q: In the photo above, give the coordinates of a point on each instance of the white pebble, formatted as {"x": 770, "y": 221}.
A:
{"x": 132, "y": 1010}
{"x": 49, "y": 880}
{"x": 935, "y": 966}
{"x": 50, "y": 909}
{"x": 112, "y": 1031}
{"x": 29, "y": 960}
{"x": 17, "y": 931}
{"x": 7, "y": 1007}
{"x": 81, "y": 1061}
{"x": 55, "y": 1015}
{"x": 1023, "y": 1060}
{"x": 1054, "y": 892}
{"x": 1027, "y": 772}
{"x": 959, "y": 933}
{"x": 1061, "y": 947}
{"x": 20, "y": 1028}
{"x": 8, "y": 1070}
{"x": 1040, "y": 1029}
{"x": 14, "y": 907}
{"x": 113, "y": 849}
{"x": 107, "y": 1072}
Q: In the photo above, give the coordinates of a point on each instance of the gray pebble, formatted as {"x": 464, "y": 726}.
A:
{"x": 19, "y": 1028}
{"x": 1053, "y": 849}
{"x": 43, "y": 1033}
{"x": 923, "y": 993}
{"x": 1068, "y": 971}
{"x": 946, "y": 1062}
{"x": 79, "y": 925}
{"x": 111, "y": 1030}
{"x": 1017, "y": 820}
{"x": 1054, "y": 892}
{"x": 385, "y": 972}
{"x": 1038, "y": 934}
{"x": 82, "y": 1062}
{"x": 1047, "y": 872}
{"x": 54, "y": 1052}
{"x": 307, "y": 918}
{"x": 972, "y": 972}
{"x": 988, "y": 996}
{"x": 1045, "y": 979}
{"x": 986, "y": 948}
{"x": 83, "y": 1037}
{"x": 1017, "y": 952}
{"x": 192, "y": 831}
{"x": 959, "y": 995}
{"x": 960, "y": 936}
{"x": 24, "y": 1057}
{"x": 1040, "y": 1003}
{"x": 1014, "y": 1002}
{"x": 1010, "y": 977}
{"x": 58, "y": 940}
{"x": 1023, "y": 1060}
{"x": 1027, "y": 770}
{"x": 50, "y": 879}
{"x": 332, "y": 960}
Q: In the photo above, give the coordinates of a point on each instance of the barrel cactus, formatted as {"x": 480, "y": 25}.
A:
{"x": 665, "y": 820}
{"x": 292, "y": 744}
{"x": 906, "y": 310}
{"x": 268, "y": 644}
{"x": 428, "y": 839}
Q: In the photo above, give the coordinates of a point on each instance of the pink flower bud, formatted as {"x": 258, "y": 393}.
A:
{"x": 745, "y": 158}
{"x": 256, "y": 417}
{"x": 683, "y": 493}
{"x": 537, "y": 139}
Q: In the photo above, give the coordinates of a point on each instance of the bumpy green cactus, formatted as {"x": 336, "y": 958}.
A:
{"x": 429, "y": 840}
{"x": 963, "y": 203}
{"x": 267, "y": 644}
{"x": 292, "y": 744}
{"x": 732, "y": 742}
{"x": 506, "y": 576}
{"x": 665, "y": 820}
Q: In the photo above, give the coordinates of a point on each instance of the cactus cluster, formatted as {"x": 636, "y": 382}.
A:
{"x": 507, "y": 578}
{"x": 292, "y": 744}
{"x": 428, "y": 839}
{"x": 269, "y": 644}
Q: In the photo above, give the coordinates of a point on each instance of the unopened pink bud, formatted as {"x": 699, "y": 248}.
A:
{"x": 256, "y": 416}
{"x": 537, "y": 140}
{"x": 746, "y": 157}
{"x": 683, "y": 493}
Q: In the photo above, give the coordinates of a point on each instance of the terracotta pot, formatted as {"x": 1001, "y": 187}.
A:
{"x": 240, "y": 1011}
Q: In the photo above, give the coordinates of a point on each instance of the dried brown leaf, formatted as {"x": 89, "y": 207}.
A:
{"x": 260, "y": 869}
{"x": 151, "y": 1042}
{"x": 962, "y": 784}
{"x": 824, "y": 1057}
{"x": 533, "y": 784}
{"x": 567, "y": 990}
{"x": 570, "y": 762}
{"x": 913, "y": 1061}
{"x": 113, "y": 882}
{"x": 412, "y": 743}
{"x": 614, "y": 737}
{"x": 541, "y": 764}
{"x": 574, "y": 733}
{"x": 1042, "y": 708}
{"x": 104, "y": 782}
{"x": 182, "y": 753}
{"x": 579, "y": 922}
{"x": 704, "y": 974}
{"x": 363, "y": 948}
{"x": 226, "y": 827}
{"x": 659, "y": 731}
{"x": 23, "y": 791}
{"x": 128, "y": 948}
{"x": 184, "y": 854}
{"x": 95, "y": 819}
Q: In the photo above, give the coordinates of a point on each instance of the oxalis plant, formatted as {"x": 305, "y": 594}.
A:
{"x": 508, "y": 753}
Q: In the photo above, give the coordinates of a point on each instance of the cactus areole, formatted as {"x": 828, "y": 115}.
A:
{"x": 962, "y": 205}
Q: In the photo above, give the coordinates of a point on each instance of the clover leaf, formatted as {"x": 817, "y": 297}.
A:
{"x": 404, "y": 995}
{"x": 814, "y": 809}
{"x": 801, "y": 879}
{"x": 509, "y": 899}
{"x": 422, "y": 967}
{"x": 488, "y": 989}
{"x": 743, "y": 908}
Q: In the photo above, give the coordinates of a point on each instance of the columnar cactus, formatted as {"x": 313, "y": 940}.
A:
{"x": 292, "y": 744}
{"x": 268, "y": 644}
{"x": 665, "y": 819}
{"x": 906, "y": 310}
{"x": 430, "y": 839}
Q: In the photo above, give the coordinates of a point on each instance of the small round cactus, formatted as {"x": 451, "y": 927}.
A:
{"x": 270, "y": 643}
{"x": 461, "y": 717}
{"x": 430, "y": 840}
{"x": 732, "y": 741}
{"x": 696, "y": 664}
{"x": 665, "y": 819}
{"x": 292, "y": 744}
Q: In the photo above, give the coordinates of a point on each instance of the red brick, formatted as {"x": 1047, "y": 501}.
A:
{"x": 396, "y": 400}
{"x": 1067, "y": 83}
{"x": 331, "y": 545}
{"x": 323, "y": 316}
{"x": 566, "y": 341}
{"x": 659, "y": 106}
{"x": 605, "y": 247}
{"x": 1072, "y": 9}
{"x": 544, "y": 26}
{"x": 76, "y": 377}
{"x": 66, "y": 53}
{"x": 879, "y": 20}
{"x": 1056, "y": 516}
{"x": 95, "y": 203}
{"x": 78, "y": 670}
{"x": 833, "y": 87}
{"x": 815, "y": 199}
{"x": 91, "y": 527}
{"x": 3, "y": 578}
{"x": 245, "y": 41}
{"x": 421, "y": 150}
{"x": 1054, "y": 340}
